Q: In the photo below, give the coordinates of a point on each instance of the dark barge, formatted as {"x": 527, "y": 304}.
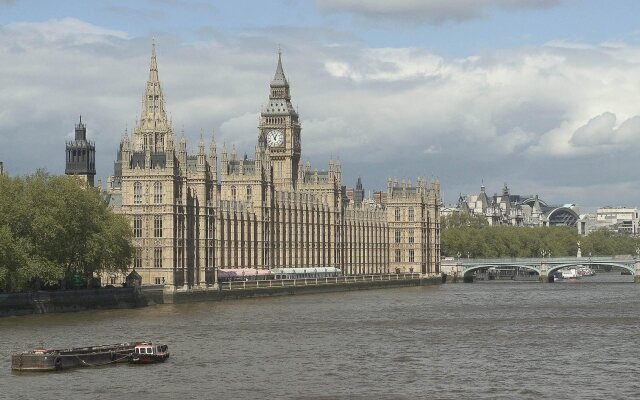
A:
{"x": 57, "y": 359}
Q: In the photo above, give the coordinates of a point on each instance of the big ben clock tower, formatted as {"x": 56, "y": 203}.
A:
{"x": 280, "y": 130}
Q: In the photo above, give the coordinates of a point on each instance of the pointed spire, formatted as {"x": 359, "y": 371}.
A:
{"x": 279, "y": 79}
{"x": 201, "y": 144}
{"x": 153, "y": 115}
{"x": 153, "y": 67}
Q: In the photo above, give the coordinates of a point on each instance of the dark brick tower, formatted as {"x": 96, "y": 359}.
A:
{"x": 81, "y": 155}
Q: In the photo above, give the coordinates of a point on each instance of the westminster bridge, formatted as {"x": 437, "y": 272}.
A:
{"x": 543, "y": 266}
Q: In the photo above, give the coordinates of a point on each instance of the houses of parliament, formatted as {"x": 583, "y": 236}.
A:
{"x": 193, "y": 213}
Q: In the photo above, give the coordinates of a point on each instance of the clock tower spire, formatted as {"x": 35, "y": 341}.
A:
{"x": 279, "y": 130}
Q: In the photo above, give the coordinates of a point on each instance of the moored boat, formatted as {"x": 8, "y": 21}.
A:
{"x": 570, "y": 273}
{"x": 149, "y": 353}
{"x": 46, "y": 359}
{"x": 585, "y": 271}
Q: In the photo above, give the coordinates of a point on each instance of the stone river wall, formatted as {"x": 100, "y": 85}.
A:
{"x": 43, "y": 302}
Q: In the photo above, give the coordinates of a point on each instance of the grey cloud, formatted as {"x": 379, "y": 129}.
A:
{"x": 601, "y": 131}
{"x": 429, "y": 11}
{"x": 500, "y": 116}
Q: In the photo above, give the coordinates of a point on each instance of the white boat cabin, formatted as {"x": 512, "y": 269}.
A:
{"x": 150, "y": 348}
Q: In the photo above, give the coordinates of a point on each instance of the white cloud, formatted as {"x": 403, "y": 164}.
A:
{"x": 431, "y": 11}
{"x": 540, "y": 115}
{"x": 388, "y": 64}
{"x": 67, "y": 30}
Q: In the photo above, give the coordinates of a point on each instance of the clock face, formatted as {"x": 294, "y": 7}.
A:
{"x": 275, "y": 138}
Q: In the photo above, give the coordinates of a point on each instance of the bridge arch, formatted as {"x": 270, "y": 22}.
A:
{"x": 625, "y": 266}
{"x": 469, "y": 270}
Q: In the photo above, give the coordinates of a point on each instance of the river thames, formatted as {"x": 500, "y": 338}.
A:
{"x": 497, "y": 340}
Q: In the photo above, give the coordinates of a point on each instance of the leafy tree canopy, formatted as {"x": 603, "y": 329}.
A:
{"x": 467, "y": 236}
{"x": 55, "y": 227}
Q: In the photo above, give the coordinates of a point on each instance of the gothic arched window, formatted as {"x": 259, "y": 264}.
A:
{"x": 157, "y": 226}
{"x": 137, "y": 226}
{"x": 248, "y": 193}
{"x": 397, "y": 214}
{"x": 411, "y": 214}
{"x": 233, "y": 192}
{"x": 137, "y": 193}
{"x": 157, "y": 192}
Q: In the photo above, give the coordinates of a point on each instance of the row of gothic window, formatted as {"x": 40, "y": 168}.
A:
{"x": 274, "y": 120}
{"x": 234, "y": 193}
{"x": 410, "y": 214}
{"x": 153, "y": 103}
{"x": 157, "y": 258}
{"x": 157, "y": 193}
{"x": 157, "y": 226}
{"x": 398, "y": 236}
{"x": 410, "y": 258}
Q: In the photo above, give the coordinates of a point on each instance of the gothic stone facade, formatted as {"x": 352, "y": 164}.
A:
{"x": 193, "y": 213}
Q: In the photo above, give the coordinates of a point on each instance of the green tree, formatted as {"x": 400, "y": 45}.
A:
{"x": 472, "y": 236}
{"x": 53, "y": 228}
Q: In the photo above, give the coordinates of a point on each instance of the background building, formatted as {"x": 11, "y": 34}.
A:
{"x": 516, "y": 210}
{"x": 193, "y": 213}
{"x": 617, "y": 219}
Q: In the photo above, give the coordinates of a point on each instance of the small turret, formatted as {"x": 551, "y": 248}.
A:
{"x": 81, "y": 155}
{"x": 202, "y": 157}
{"x": 81, "y": 130}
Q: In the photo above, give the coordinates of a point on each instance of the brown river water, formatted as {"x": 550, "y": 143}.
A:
{"x": 494, "y": 340}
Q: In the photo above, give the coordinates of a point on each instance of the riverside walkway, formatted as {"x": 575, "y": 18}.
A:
{"x": 543, "y": 266}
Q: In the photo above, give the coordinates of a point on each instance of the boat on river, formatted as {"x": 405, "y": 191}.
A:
{"x": 585, "y": 271}
{"x": 570, "y": 273}
{"x": 48, "y": 359}
{"x": 149, "y": 353}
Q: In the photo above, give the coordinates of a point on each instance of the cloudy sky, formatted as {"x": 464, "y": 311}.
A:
{"x": 541, "y": 94}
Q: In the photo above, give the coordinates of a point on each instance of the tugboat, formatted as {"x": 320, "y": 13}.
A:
{"x": 149, "y": 353}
